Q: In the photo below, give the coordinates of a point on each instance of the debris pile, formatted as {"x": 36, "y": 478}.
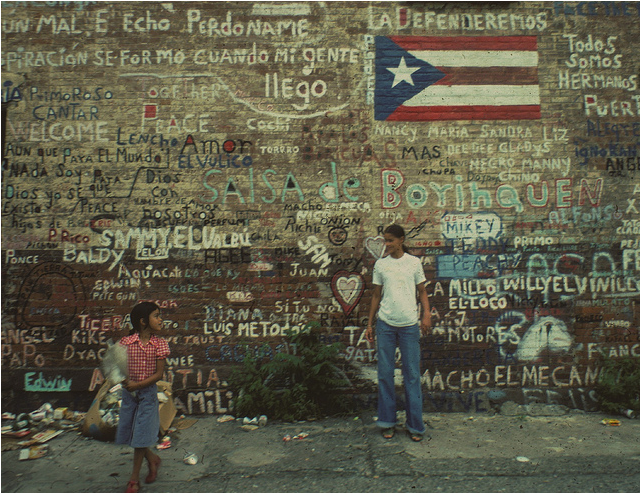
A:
{"x": 30, "y": 432}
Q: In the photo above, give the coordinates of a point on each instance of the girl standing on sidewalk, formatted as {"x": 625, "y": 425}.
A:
{"x": 139, "y": 423}
{"x": 396, "y": 278}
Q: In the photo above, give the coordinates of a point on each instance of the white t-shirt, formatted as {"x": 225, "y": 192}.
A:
{"x": 398, "y": 278}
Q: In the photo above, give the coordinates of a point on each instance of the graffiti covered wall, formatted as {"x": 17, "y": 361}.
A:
{"x": 238, "y": 162}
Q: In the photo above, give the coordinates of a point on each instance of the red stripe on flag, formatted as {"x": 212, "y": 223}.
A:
{"x": 519, "y": 76}
{"x": 480, "y": 43}
{"x": 434, "y": 113}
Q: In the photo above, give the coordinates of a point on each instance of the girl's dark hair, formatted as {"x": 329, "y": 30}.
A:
{"x": 141, "y": 311}
{"x": 397, "y": 231}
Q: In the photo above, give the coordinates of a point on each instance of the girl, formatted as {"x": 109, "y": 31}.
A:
{"x": 396, "y": 278}
{"x": 139, "y": 419}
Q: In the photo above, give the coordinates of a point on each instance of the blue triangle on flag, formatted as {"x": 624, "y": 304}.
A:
{"x": 388, "y": 98}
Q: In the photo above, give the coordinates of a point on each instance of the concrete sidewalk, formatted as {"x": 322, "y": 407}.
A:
{"x": 573, "y": 452}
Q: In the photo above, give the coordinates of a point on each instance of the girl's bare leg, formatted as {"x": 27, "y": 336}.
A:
{"x": 138, "y": 458}
{"x": 154, "y": 463}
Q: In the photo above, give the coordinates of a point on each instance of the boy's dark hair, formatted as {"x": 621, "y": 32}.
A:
{"x": 141, "y": 311}
{"x": 397, "y": 231}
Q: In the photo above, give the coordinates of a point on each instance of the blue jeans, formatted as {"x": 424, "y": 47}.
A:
{"x": 408, "y": 340}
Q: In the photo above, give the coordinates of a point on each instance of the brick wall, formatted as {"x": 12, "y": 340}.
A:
{"x": 237, "y": 162}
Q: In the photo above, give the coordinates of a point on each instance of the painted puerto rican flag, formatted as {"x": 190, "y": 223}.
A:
{"x": 456, "y": 78}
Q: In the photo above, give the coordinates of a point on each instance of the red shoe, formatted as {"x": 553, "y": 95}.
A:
{"x": 153, "y": 473}
{"x": 133, "y": 487}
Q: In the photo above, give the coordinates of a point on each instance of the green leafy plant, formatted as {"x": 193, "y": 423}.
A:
{"x": 618, "y": 386}
{"x": 305, "y": 384}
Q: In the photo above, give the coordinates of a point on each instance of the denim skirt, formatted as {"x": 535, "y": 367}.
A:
{"x": 139, "y": 422}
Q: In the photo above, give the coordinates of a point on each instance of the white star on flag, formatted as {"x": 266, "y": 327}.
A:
{"x": 402, "y": 73}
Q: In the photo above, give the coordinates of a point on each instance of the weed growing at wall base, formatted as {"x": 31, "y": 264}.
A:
{"x": 305, "y": 384}
{"x": 618, "y": 386}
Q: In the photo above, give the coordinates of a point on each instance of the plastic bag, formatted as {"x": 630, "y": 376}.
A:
{"x": 114, "y": 363}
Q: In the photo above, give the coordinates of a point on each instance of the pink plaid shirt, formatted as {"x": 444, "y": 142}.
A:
{"x": 141, "y": 358}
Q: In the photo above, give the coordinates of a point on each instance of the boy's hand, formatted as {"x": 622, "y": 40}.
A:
{"x": 425, "y": 325}
{"x": 369, "y": 334}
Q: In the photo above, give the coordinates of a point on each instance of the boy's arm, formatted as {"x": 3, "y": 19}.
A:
{"x": 425, "y": 321}
{"x": 375, "y": 304}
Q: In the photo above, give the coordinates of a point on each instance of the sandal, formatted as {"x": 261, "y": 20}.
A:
{"x": 153, "y": 472}
{"x": 416, "y": 437}
{"x": 133, "y": 487}
{"x": 388, "y": 433}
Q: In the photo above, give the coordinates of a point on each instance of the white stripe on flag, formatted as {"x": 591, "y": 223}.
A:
{"x": 462, "y": 58}
{"x": 476, "y": 96}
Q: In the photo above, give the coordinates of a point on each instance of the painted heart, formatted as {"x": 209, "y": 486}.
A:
{"x": 347, "y": 288}
{"x": 375, "y": 246}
